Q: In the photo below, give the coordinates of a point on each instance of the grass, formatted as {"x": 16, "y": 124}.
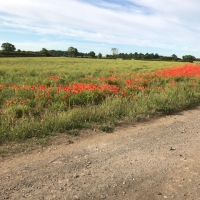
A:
{"x": 45, "y": 96}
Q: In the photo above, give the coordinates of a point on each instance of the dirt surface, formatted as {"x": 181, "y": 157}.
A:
{"x": 154, "y": 160}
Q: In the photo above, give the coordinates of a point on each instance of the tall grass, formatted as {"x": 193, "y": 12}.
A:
{"x": 45, "y": 96}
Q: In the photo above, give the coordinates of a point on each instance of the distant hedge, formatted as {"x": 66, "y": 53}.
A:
{"x": 21, "y": 54}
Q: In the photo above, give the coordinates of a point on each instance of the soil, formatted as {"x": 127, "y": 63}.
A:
{"x": 158, "y": 159}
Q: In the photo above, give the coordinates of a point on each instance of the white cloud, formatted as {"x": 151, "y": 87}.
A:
{"x": 152, "y": 23}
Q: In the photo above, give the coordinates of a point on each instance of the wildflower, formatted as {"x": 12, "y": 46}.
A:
{"x": 9, "y": 103}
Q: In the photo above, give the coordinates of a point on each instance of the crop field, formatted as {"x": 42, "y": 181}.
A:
{"x": 45, "y": 96}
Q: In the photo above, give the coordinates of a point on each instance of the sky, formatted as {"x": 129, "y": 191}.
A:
{"x": 165, "y": 27}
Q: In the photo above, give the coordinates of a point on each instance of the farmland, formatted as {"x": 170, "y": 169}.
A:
{"x": 45, "y": 96}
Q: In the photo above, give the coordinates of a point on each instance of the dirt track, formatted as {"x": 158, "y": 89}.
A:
{"x": 154, "y": 160}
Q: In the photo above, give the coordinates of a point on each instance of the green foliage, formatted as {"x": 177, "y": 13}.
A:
{"x": 189, "y": 58}
{"x": 175, "y": 57}
{"x": 100, "y": 55}
{"x": 106, "y": 129}
{"x": 73, "y": 132}
{"x": 92, "y": 54}
{"x": 21, "y": 54}
{"x": 72, "y": 52}
{"x": 45, "y": 52}
{"x": 115, "y": 52}
{"x": 7, "y": 47}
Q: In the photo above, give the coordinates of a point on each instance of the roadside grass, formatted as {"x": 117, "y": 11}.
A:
{"x": 40, "y": 97}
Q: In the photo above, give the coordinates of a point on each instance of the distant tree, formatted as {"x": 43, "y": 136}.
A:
{"x": 53, "y": 52}
{"x": 18, "y": 50}
{"x": 121, "y": 55}
{"x": 7, "y": 47}
{"x": 156, "y": 56}
{"x": 151, "y": 56}
{"x": 174, "y": 57}
{"x": 188, "y": 58}
{"x": 135, "y": 55}
{"x": 99, "y": 55}
{"x": 140, "y": 56}
{"x": 115, "y": 52}
{"x": 130, "y": 55}
{"x": 92, "y": 54}
{"x": 108, "y": 56}
{"x": 146, "y": 56}
{"x": 57, "y": 53}
{"x": 72, "y": 52}
{"x": 45, "y": 51}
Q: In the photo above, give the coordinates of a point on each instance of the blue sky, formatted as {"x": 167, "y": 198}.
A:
{"x": 155, "y": 26}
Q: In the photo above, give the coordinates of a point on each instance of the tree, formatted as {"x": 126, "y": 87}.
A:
{"x": 156, "y": 56}
{"x": 92, "y": 54}
{"x": 135, "y": 55}
{"x": 99, "y": 55}
{"x": 146, "y": 56}
{"x": 7, "y": 47}
{"x": 175, "y": 57}
{"x": 141, "y": 56}
{"x": 115, "y": 52}
{"x": 188, "y": 58}
{"x": 72, "y": 52}
{"x": 45, "y": 51}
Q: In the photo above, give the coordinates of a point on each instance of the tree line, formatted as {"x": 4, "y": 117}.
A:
{"x": 9, "y": 50}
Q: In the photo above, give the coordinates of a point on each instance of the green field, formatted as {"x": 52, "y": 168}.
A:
{"x": 46, "y": 96}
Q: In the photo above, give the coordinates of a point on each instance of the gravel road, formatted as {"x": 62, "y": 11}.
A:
{"x": 159, "y": 159}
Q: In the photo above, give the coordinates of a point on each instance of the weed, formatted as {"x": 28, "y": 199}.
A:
{"x": 73, "y": 132}
{"x": 41, "y": 141}
{"x": 106, "y": 129}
